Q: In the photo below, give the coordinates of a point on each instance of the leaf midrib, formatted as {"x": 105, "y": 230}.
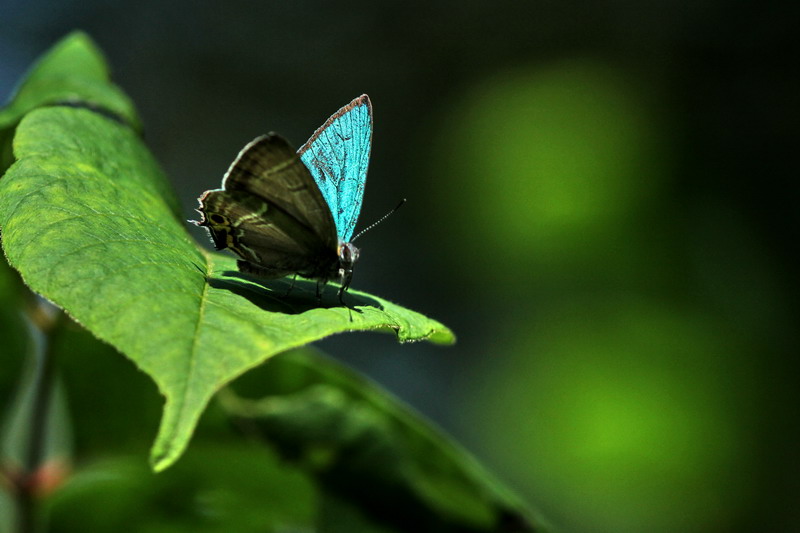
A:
{"x": 181, "y": 394}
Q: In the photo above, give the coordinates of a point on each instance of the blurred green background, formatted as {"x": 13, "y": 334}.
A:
{"x": 602, "y": 205}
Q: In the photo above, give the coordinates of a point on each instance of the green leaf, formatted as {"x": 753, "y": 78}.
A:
{"x": 14, "y": 332}
{"x": 88, "y": 220}
{"x": 11, "y": 292}
{"x": 218, "y": 487}
{"x": 365, "y": 446}
{"x": 72, "y": 72}
{"x": 113, "y": 425}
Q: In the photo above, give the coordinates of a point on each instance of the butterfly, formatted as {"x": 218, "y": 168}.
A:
{"x": 285, "y": 212}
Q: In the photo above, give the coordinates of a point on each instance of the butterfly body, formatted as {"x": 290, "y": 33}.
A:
{"x": 285, "y": 212}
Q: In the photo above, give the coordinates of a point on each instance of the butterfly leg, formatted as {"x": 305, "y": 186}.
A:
{"x": 350, "y": 308}
{"x": 291, "y": 286}
{"x": 320, "y": 284}
{"x": 342, "y": 290}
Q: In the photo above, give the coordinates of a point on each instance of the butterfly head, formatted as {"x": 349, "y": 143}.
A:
{"x": 348, "y": 255}
{"x": 212, "y": 218}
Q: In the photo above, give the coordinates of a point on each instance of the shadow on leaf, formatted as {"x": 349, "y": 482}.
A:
{"x": 286, "y": 296}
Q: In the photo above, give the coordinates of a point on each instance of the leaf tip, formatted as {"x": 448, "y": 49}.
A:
{"x": 161, "y": 459}
{"x": 438, "y": 334}
{"x": 442, "y": 336}
{"x": 78, "y": 37}
{"x": 77, "y": 42}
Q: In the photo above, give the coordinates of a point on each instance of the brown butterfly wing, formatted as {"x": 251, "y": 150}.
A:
{"x": 270, "y": 168}
{"x": 271, "y": 213}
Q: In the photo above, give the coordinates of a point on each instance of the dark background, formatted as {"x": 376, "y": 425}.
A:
{"x": 602, "y": 205}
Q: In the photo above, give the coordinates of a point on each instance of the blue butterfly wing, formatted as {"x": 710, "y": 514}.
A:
{"x": 338, "y": 156}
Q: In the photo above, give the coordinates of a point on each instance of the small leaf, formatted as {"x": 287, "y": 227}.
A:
{"x": 369, "y": 448}
{"x": 88, "y": 220}
{"x": 72, "y": 72}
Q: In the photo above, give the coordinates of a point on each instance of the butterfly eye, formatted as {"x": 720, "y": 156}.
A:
{"x": 348, "y": 254}
{"x": 217, "y": 219}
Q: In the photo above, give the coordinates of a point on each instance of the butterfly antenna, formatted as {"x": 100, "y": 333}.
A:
{"x": 384, "y": 217}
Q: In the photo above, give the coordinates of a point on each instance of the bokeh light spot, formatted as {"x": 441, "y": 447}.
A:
{"x": 624, "y": 417}
{"x": 549, "y": 159}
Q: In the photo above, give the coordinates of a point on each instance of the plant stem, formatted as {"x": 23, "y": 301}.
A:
{"x": 44, "y": 320}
